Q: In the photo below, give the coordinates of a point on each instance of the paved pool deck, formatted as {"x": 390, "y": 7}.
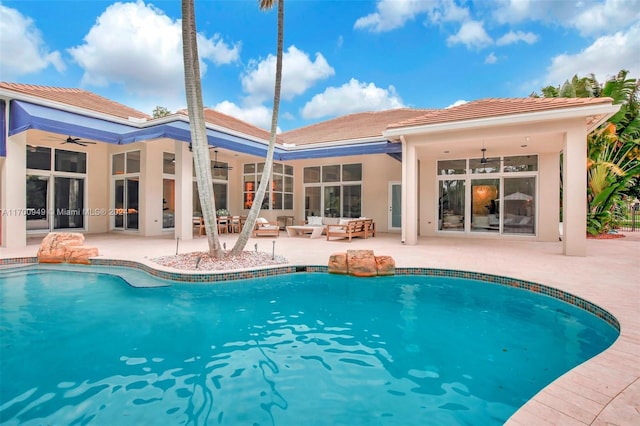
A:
{"x": 602, "y": 391}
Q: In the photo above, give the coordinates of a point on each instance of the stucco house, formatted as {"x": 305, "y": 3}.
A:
{"x": 73, "y": 160}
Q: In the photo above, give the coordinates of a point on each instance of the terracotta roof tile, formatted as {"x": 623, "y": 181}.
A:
{"x": 494, "y": 107}
{"x": 219, "y": 119}
{"x": 352, "y": 126}
{"x": 231, "y": 123}
{"x": 77, "y": 98}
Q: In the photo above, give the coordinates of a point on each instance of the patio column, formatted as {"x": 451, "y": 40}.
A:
{"x": 548, "y": 196}
{"x": 574, "y": 196}
{"x": 14, "y": 190}
{"x": 151, "y": 190}
{"x": 409, "y": 217}
{"x": 184, "y": 192}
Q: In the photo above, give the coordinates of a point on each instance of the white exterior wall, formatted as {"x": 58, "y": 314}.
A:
{"x": 184, "y": 192}
{"x": 548, "y": 213}
{"x": 428, "y": 198}
{"x": 14, "y": 189}
{"x": 97, "y": 186}
{"x": 574, "y": 195}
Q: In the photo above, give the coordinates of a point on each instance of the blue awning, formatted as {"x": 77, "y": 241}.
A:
{"x": 3, "y": 130}
{"x": 25, "y": 116}
{"x": 179, "y": 130}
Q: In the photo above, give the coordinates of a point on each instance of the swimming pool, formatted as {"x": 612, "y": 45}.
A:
{"x": 320, "y": 349}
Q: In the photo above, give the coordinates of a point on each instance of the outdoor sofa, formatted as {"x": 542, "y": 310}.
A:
{"x": 351, "y": 228}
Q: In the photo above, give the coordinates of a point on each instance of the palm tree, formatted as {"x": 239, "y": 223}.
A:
{"x": 612, "y": 168}
{"x": 243, "y": 238}
{"x": 201, "y": 158}
{"x": 613, "y": 149}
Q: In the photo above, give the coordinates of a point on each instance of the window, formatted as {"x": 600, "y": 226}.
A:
{"x": 485, "y": 195}
{"x": 279, "y": 195}
{"x": 125, "y": 169}
{"x": 523, "y": 163}
{"x": 38, "y": 158}
{"x": 451, "y": 205}
{"x": 125, "y": 163}
{"x": 333, "y": 190}
{"x": 55, "y": 189}
{"x": 168, "y": 190}
{"x": 519, "y": 205}
{"x": 70, "y": 161}
{"x": 504, "y": 202}
{"x": 452, "y": 167}
{"x": 220, "y": 177}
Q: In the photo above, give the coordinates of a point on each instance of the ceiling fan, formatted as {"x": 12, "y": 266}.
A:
{"x": 216, "y": 165}
{"x": 74, "y": 141}
{"x": 485, "y": 160}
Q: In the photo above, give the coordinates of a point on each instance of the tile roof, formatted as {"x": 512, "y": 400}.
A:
{"x": 493, "y": 107}
{"x": 76, "y": 97}
{"x": 219, "y": 119}
{"x": 225, "y": 121}
{"x": 349, "y": 127}
{"x": 352, "y": 126}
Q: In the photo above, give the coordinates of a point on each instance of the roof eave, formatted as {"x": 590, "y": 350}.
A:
{"x": 330, "y": 144}
{"x": 11, "y": 95}
{"x": 603, "y": 110}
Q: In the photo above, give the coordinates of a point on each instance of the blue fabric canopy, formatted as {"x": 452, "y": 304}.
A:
{"x": 3, "y": 131}
{"x": 25, "y": 116}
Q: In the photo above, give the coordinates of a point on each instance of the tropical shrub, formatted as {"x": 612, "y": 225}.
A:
{"x": 613, "y": 166}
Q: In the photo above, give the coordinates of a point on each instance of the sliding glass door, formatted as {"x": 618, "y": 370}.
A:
{"x": 126, "y": 205}
{"x": 495, "y": 195}
{"x": 68, "y": 203}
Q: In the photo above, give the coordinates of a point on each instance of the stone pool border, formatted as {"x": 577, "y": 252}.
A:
{"x": 218, "y": 276}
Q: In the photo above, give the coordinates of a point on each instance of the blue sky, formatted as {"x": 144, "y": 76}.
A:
{"x": 341, "y": 57}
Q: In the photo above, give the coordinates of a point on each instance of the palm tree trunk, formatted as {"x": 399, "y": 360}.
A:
{"x": 242, "y": 240}
{"x": 200, "y": 148}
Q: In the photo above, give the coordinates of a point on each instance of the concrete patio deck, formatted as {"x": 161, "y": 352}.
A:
{"x": 602, "y": 391}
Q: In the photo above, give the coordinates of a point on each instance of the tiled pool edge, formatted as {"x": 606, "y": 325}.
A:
{"x": 211, "y": 276}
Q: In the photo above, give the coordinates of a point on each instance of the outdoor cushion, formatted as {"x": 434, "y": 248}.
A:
{"x": 314, "y": 220}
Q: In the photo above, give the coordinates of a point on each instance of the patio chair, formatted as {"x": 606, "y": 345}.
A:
{"x": 198, "y": 225}
{"x": 223, "y": 224}
{"x": 264, "y": 228}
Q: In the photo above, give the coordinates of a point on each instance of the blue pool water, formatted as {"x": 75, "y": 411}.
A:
{"x": 314, "y": 349}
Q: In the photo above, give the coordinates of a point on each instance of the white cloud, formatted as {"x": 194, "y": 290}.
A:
{"x": 515, "y": 36}
{"x": 516, "y": 11}
{"x": 588, "y": 17}
{"x": 604, "y": 58}
{"x": 258, "y": 115}
{"x": 351, "y": 97}
{"x": 22, "y": 50}
{"x": 457, "y": 103}
{"x": 299, "y": 73}
{"x": 610, "y": 16}
{"x": 491, "y": 58}
{"x": 447, "y": 11}
{"x": 472, "y": 35}
{"x": 138, "y": 46}
{"x": 392, "y": 14}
